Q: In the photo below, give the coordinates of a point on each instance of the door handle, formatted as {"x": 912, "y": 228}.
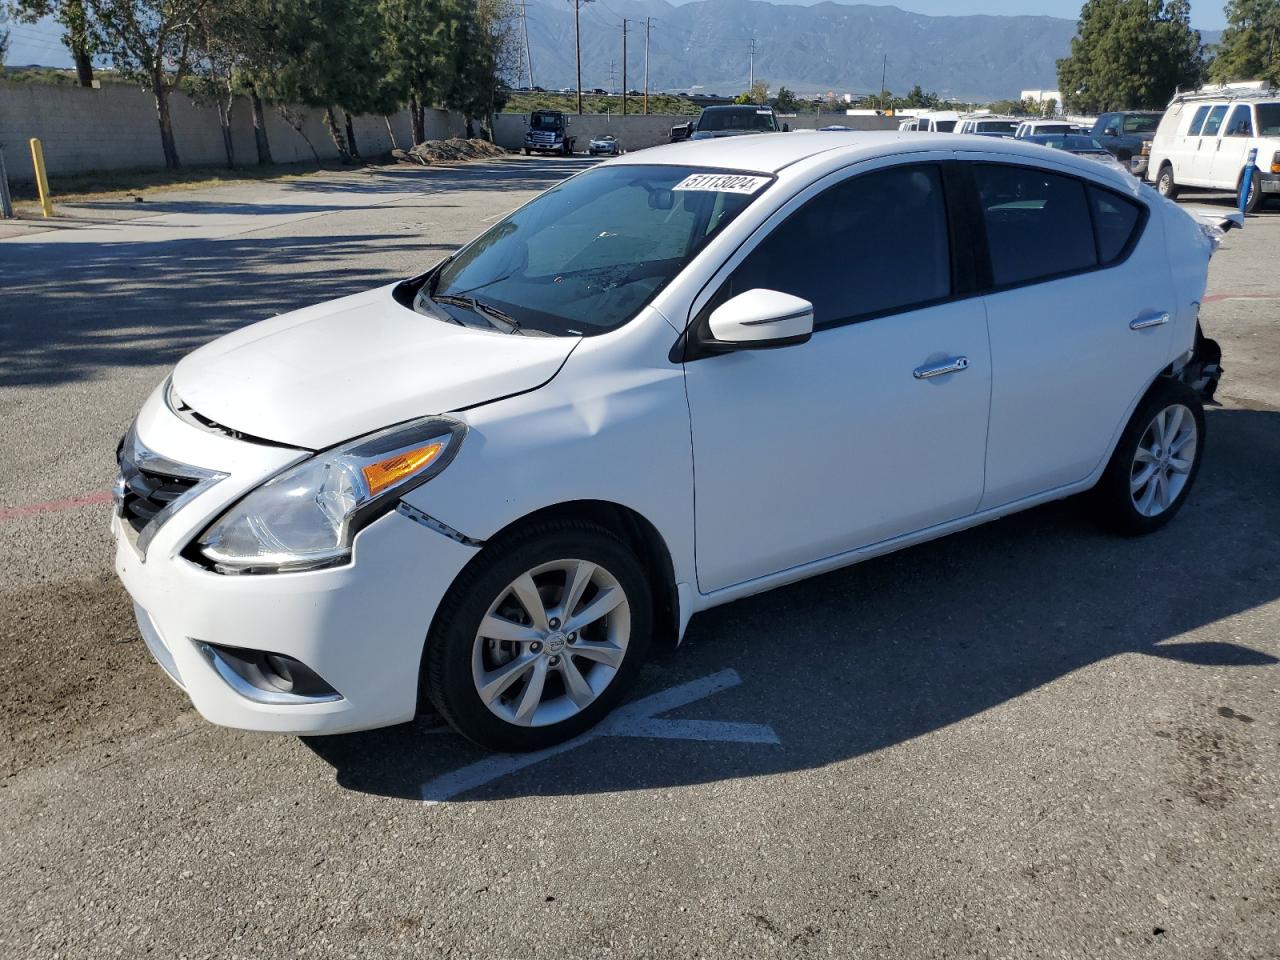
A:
{"x": 954, "y": 365}
{"x": 1150, "y": 320}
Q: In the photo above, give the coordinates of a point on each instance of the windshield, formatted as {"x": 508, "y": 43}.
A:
{"x": 997, "y": 126}
{"x": 543, "y": 121}
{"x": 738, "y": 118}
{"x": 585, "y": 256}
{"x": 1141, "y": 123}
{"x": 944, "y": 126}
{"x": 1269, "y": 119}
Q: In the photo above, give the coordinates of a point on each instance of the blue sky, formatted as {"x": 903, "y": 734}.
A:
{"x": 39, "y": 43}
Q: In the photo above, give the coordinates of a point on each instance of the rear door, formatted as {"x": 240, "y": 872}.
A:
{"x": 1074, "y": 317}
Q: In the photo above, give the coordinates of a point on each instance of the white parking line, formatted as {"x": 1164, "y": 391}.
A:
{"x": 637, "y": 719}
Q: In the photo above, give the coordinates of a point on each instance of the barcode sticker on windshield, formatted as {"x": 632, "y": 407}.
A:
{"x": 722, "y": 183}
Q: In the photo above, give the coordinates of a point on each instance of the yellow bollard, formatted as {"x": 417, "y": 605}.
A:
{"x": 42, "y": 179}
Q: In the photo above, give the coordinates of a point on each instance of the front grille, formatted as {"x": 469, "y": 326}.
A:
{"x": 146, "y": 493}
{"x": 151, "y": 487}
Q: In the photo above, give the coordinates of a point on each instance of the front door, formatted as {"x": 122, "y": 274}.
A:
{"x": 808, "y": 451}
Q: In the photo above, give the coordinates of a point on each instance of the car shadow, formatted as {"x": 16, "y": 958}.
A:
{"x": 895, "y": 648}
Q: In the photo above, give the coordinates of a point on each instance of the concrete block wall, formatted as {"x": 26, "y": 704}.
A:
{"x": 637, "y": 131}
{"x": 115, "y": 128}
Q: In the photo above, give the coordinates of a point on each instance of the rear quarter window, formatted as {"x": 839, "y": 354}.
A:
{"x": 1117, "y": 221}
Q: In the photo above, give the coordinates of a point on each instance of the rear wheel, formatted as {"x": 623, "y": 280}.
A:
{"x": 1155, "y": 463}
{"x": 539, "y": 639}
{"x": 1165, "y": 184}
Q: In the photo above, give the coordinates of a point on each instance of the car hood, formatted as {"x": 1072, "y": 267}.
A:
{"x": 318, "y": 376}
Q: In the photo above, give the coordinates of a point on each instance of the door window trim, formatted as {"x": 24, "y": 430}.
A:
{"x": 965, "y": 267}
{"x": 1144, "y": 216}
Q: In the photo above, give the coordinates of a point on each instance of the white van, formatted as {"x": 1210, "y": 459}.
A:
{"x": 1205, "y": 138}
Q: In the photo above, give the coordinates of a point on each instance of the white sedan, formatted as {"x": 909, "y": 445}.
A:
{"x": 660, "y": 386}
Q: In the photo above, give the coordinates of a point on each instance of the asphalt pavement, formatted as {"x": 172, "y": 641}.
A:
{"x": 1031, "y": 739}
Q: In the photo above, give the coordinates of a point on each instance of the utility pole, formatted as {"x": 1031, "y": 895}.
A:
{"x": 751, "y": 67}
{"x": 883, "y": 64}
{"x": 624, "y": 66}
{"x": 577, "y": 43}
{"x": 648, "y": 23}
{"x": 528, "y": 60}
{"x": 612, "y": 74}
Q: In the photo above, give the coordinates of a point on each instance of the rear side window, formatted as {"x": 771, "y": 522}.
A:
{"x": 1213, "y": 122}
{"x": 1197, "y": 121}
{"x": 842, "y": 250}
{"x": 1038, "y": 223}
{"x": 1115, "y": 222}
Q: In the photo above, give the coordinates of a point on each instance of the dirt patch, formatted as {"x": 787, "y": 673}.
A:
{"x": 77, "y": 674}
{"x": 453, "y": 150}
{"x": 1215, "y": 765}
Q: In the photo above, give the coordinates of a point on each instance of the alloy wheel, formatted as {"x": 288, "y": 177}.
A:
{"x": 1163, "y": 461}
{"x": 551, "y": 642}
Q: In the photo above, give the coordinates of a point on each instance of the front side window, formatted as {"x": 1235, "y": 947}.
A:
{"x": 1269, "y": 119}
{"x": 1213, "y": 122}
{"x": 585, "y": 256}
{"x": 1037, "y": 222}
{"x": 1241, "y": 123}
{"x": 870, "y": 245}
{"x": 1197, "y": 121}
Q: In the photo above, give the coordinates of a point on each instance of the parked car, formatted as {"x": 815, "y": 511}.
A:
{"x": 988, "y": 126}
{"x": 729, "y": 120}
{"x": 481, "y": 487}
{"x": 1031, "y": 128}
{"x": 1125, "y": 132}
{"x": 1081, "y": 146}
{"x": 941, "y": 121}
{"x": 605, "y": 146}
{"x": 1204, "y": 140}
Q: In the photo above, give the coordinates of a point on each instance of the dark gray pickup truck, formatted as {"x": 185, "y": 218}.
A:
{"x": 1124, "y": 132}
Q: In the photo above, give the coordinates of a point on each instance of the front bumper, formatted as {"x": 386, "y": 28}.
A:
{"x": 1138, "y": 166}
{"x": 1268, "y": 182}
{"x": 361, "y": 627}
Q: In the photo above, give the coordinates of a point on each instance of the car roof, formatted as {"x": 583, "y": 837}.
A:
{"x": 772, "y": 152}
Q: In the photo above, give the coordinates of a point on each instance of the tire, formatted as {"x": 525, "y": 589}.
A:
{"x": 1254, "y": 200}
{"x": 1170, "y": 413}
{"x": 530, "y": 704}
{"x": 1165, "y": 184}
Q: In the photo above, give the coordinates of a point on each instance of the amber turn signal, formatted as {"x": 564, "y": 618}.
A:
{"x": 388, "y": 472}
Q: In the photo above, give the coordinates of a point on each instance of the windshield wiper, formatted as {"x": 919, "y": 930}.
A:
{"x": 490, "y": 313}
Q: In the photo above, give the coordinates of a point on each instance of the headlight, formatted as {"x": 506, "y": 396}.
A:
{"x": 308, "y": 516}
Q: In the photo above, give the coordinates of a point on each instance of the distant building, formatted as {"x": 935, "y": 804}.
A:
{"x": 1042, "y": 96}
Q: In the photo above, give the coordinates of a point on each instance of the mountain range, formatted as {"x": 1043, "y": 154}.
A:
{"x": 823, "y": 47}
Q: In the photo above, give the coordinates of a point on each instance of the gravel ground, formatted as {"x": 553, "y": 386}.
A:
{"x": 1026, "y": 740}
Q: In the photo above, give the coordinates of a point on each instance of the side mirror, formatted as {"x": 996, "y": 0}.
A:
{"x": 760, "y": 319}
{"x": 1111, "y": 132}
{"x": 786, "y": 128}
{"x": 681, "y": 131}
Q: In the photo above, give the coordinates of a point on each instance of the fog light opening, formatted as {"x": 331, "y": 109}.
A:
{"x": 266, "y": 677}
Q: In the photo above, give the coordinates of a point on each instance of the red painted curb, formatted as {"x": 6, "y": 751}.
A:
{"x": 53, "y": 506}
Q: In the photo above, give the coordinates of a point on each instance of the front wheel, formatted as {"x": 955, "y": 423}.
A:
{"x": 1165, "y": 184}
{"x": 1155, "y": 463}
{"x": 1254, "y": 200}
{"x": 539, "y": 637}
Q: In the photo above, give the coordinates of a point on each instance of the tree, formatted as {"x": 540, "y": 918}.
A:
{"x": 917, "y": 98}
{"x": 77, "y": 32}
{"x": 415, "y": 46}
{"x": 786, "y": 101}
{"x": 1250, "y": 46}
{"x": 759, "y": 93}
{"x": 481, "y": 50}
{"x": 153, "y": 42}
{"x": 1130, "y": 54}
{"x": 327, "y": 54}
